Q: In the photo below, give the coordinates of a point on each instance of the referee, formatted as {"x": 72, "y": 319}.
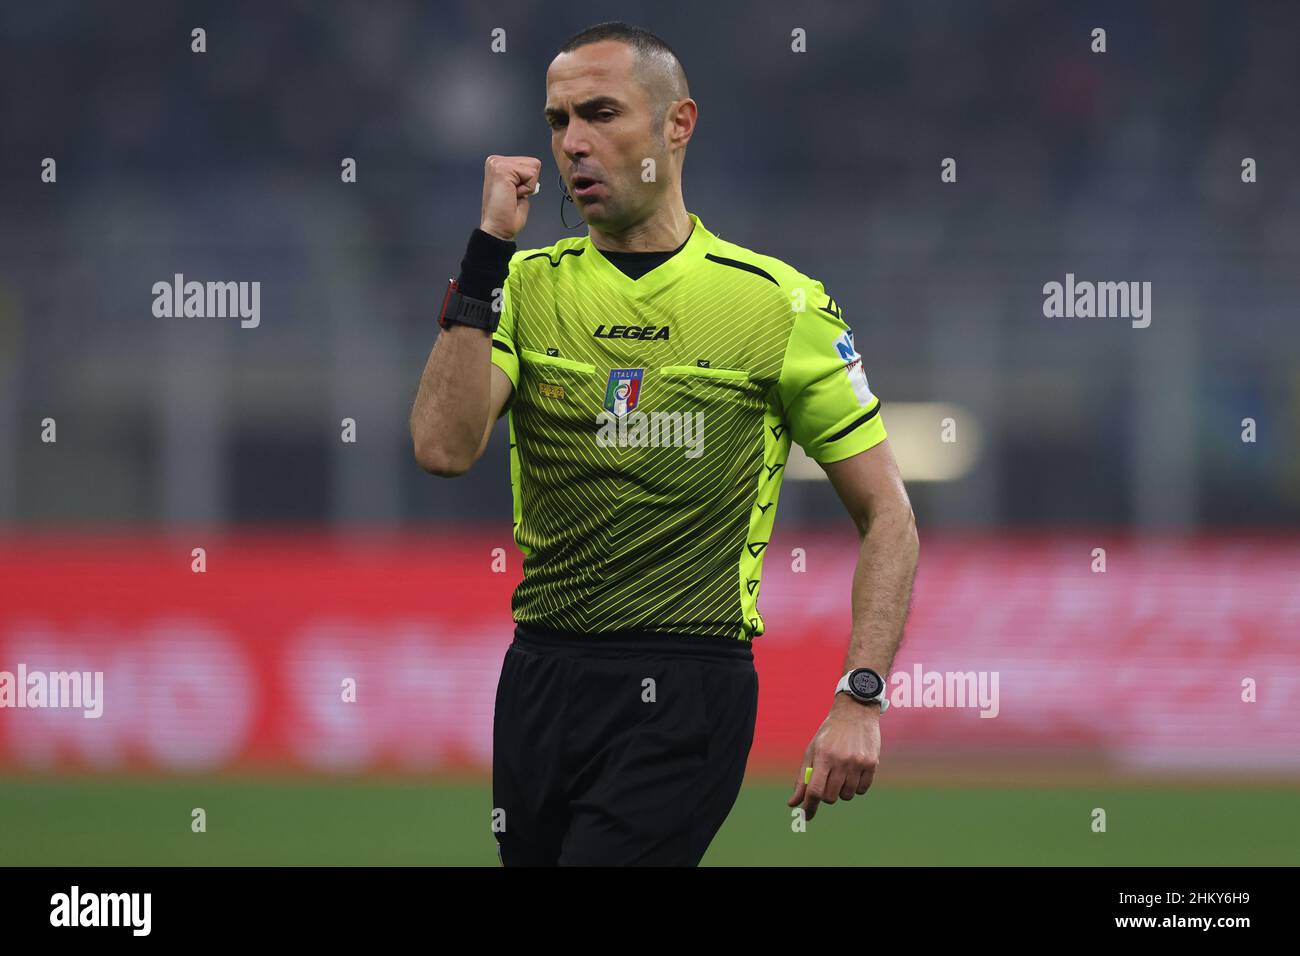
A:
{"x": 654, "y": 376}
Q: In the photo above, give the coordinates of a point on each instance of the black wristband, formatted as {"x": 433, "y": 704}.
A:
{"x": 485, "y": 266}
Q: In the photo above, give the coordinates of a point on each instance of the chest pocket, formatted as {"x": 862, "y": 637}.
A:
{"x": 704, "y": 372}
{"x": 721, "y": 391}
{"x": 543, "y": 363}
{"x": 560, "y": 390}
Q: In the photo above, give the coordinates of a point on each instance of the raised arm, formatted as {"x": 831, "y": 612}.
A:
{"x": 461, "y": 392}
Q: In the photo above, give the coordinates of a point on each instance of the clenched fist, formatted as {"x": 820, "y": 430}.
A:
{"x": 508, "y": 182}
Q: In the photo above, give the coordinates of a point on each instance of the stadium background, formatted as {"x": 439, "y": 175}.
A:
{"x": 328, "y": 559}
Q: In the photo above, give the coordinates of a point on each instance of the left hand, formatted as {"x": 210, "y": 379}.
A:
{"x": 844, "y": 755}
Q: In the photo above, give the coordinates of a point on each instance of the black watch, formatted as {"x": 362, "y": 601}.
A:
{"x": 460, "y": 309}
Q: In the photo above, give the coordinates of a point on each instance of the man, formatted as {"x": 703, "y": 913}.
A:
{"x": 655, "y": 376}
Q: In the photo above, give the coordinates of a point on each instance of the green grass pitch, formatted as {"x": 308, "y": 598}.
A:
{"x": 122, "y": 821}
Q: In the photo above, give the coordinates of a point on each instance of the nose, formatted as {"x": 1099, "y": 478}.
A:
{"x": 575, "y": 143}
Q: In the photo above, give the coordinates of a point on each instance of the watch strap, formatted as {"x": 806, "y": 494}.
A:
{"x": 460, "y": 309}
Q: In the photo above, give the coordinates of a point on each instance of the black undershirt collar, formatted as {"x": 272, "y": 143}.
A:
{"x": 636, "y": 264}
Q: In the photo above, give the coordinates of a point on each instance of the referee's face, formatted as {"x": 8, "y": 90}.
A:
{"x": 601, "y": 123}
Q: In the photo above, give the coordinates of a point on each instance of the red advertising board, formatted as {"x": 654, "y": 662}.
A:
{"x": 1180, "y": 654}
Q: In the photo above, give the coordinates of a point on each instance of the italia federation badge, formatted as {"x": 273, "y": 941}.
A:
{"x": 623, "y": 390}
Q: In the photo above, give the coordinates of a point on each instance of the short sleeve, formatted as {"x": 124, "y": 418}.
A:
{"x": 505, "y": 354}
{"x": 823, "y": 388}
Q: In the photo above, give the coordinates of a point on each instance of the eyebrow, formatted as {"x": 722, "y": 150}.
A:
{"x": 585, "y": 108}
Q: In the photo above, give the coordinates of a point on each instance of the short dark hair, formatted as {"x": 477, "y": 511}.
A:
{"x": 660, "y": 71}
{"x": 639, "y": 38}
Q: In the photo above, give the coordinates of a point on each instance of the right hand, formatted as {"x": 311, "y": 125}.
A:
{"x": 508, "y": 182}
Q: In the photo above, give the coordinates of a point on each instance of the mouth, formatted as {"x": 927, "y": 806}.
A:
{"x": 585, "y": 186}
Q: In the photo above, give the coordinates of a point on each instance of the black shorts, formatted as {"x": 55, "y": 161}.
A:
{"x": 618, "y": 750}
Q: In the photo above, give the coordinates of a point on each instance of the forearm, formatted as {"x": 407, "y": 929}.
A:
{"x": 452, "y": 405}
{"x": 882, "y": 589}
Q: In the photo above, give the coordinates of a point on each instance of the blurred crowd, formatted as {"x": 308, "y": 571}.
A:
{"x": 1123, "y": 165}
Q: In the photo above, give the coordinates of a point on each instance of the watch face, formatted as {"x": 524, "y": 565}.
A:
{"x": 865, "y": 683}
